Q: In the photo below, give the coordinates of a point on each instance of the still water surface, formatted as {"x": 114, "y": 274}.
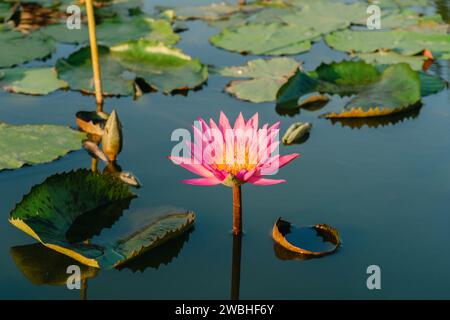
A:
{"x": 386, "y": 189}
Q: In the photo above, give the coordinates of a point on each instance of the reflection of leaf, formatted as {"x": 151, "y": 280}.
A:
{"x": 375, "y": 122}
{"x": 265, "y": 39}
{"x": 318, "y": 240}
{"x": 398, "y": 89}
{"x": 35, "y": 81}
{"x": 17, "y": 48}
{"x": 266, "y": 77}
{"x": 162, "y": 255}
{"x": 42, "y": 265}
{"x": 406, "y": 42}
{"x": 34, "y": 144}
{"x": 60, "y": 213}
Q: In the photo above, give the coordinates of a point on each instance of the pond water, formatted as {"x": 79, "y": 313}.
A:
{"x": 385, "y": 187}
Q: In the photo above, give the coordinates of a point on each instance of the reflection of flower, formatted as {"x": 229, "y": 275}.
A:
{"x": 234, "y": 155}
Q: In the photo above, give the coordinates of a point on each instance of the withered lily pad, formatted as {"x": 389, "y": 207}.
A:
{"x": 266, "y": 78}
{"x": 313, "y": 241}
{"x": 35, "y": 144}
{"x": 68, "y": 209}
{"x": 91, "y": 122}
{"x": 397, "y": 89}
{"x": 17, "y": 48}
{"x": 34, "y": 81}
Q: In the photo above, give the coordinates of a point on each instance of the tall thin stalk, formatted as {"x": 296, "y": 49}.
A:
{"x": 94, "y": 55}
{"x": 237, "y": 210}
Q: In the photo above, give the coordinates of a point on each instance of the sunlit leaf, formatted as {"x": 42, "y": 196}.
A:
{"x": 35, "y": 81}
{"x": 265, "y": 78}
{"x": 392, "y": 57}
{"x": 34, "y": 144}
{"x": 213, "y": 11}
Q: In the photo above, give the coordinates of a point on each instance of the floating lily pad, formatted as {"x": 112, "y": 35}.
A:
{"x": 17, "y": 48}
{"x": 35, "y": 144}
{"x": 162, "y": 67}
{"x": 114, "y": 31}
{"x": 405, "y": 42}
{"x": 76, "y": 70}
{"x": 43, "y": 266}
{"x": 317, "y": 241}
{"x": 214, "y": 11}
{"x": 266, "y": 77}
{"x": 343, "y": 78}
{"x": 35, "y": 81}
{"x": 67, "y": 209}
{"x": 392, "y": 57}
{"x": 265, "y": 39}
{"x": 397, "y": 89}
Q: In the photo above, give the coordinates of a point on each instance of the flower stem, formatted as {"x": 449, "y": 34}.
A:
{"x": 237, "y": 210}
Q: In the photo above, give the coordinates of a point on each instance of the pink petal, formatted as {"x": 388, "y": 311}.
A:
{"x": 240, "y": 122}
{"x": 224, "y": 123}
{"x": 194, "y": 168}
{"x": 202, "y": 181}
{"x": 265, "y": 182}
{"x": 253, "y": 122}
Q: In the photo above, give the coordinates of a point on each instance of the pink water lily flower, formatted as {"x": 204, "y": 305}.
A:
{"x": 232, "y": 156}
{"x": 227, "y": 155}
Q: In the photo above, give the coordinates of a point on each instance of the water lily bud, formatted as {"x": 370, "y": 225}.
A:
{"x": 296, "y": 131}
{"x": 112, "y": 136}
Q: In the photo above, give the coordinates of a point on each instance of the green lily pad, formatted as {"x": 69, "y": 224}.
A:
{"x": 266, "y": 77}
{"x": 17, "y": 48}
{"x": 34, "y": 144}
{"x": 71, "y": 201}
{"x": 114, "y": 31}
{"x": 214, "y": 11}
{"x": 265, "y": 39}
{"x": 162, "y": 67}
{"x": 392, "y": 57}
{"x": 405, "y": 42}
{"x": 343, "y": 78}
{"x": 43, "y": 266}
{"x": 35, "y": 81}
{"x": 5, "y": 11}
{"x": 76, "y": 70}
{"x": 397, "y": 90}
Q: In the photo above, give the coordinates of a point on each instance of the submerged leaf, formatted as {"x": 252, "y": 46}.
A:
{"x": 266, "y": 77}
{"x": 34, "y": 81}
{"x": 34, "y": 144}
{"x": 68, "y": 208}
{"x": 398, "y": 89}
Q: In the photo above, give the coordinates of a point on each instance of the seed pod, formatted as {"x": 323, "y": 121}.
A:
{"x": 112, "y": 136}
{"x": 296, "y": 131}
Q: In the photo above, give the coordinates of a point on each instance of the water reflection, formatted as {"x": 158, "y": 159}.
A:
{"x": 43, "y": 266}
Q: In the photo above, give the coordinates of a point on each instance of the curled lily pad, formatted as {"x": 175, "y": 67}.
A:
{"x": 50, "y": 214}
{"x": 318, "y": 240}
{"x": 397, "y": 89}
{"x": 265, "y": 39}
{"x": 17, "y": 48}
{"x": 34, "y": 81}
{"x": 266, "y": 77}
{"x": 41, "y": 265}
{"x": 296, "y": 132}
{"x": 34, "y": 144}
